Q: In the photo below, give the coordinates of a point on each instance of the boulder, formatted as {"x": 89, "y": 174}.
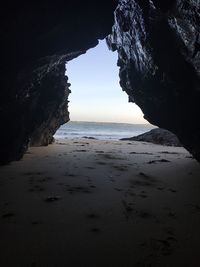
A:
{"x": 157, "y": 136}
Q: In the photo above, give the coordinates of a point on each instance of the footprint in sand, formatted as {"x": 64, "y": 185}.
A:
{"x": 72, "y": 175}
{"x": 121, "y": 167}
{"x": 101, "y": 162}
{"x": 158, "y": 161}
{"x": 33, "y": 173}
{"x": 78, "y": 189}
{"x": 37, "y": 188}
{"x": 36, "y": 222}
{"x": 7, "y": 215}
{"x": 196, "y": 207}
{"x": 169, "y": 231}
{"x": 118, "y": 189}
{"x": 141, "y": 153}
{"x": 92, "y": 186}
{"x": 52, "y": 198}
{"x": 143, "y": 194}
{"x": 189, "y": 157}
{"x": 128, "y": 209}
{"x": 92, "y": 216}
{"x": 145, "y": 181}
{"x": 172, "y": 215}
{"x": 95, "y": 230}
{"x": 164, "y": 247}
{"x": 144, "y": 214}
{"x": 172, "y": 190}
{"x": 160, "y": 188}
{"x": 90, "y": 168}
{"x": 170, "y": 153}
{"x": 45, "y": 179}
{"x": 129, "y": 192}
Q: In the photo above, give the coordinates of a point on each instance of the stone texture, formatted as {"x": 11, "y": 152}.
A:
{"x": 157, "y": 136}
{"x": 37, "y": 38}
{"x": 48, "y": 116}
{"x": 158, "y": 45}
{"x": 159, "y": 58}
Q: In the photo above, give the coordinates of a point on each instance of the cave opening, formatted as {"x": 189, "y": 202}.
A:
{"x": 99, "y": 202}
{"x": 98, "y": 107}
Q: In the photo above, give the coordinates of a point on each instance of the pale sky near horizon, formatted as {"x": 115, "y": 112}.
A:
{"x": 96, "y": 93}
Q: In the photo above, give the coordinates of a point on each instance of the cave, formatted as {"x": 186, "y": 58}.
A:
{"x": 154, "y": 209}
{"x": 157, "y": 73}
{"x": 97, "y": 104}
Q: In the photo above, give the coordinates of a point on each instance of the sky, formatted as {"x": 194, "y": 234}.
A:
{"x": 96, "y": 94}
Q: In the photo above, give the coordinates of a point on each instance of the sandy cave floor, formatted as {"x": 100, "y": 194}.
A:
{"x": 100, "y": 203}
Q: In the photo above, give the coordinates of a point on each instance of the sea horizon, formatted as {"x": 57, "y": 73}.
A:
{"x": 109, "y": 122}
{"x": 101, "y": 130}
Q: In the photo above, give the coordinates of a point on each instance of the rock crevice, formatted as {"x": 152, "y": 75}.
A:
{"x": 159, "y": 58}
{"x": 37, "y": 38}
{"x": 158, "y": 44}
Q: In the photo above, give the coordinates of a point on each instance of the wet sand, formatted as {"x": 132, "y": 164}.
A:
{"x": 100, "y": 203}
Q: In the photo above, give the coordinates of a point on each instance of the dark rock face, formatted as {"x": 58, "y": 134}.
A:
{"x": 37, "y": 38}
{"x": 159, "y": 58}
{"x": 48, "y": 116}
{"x": 157, "y": 136}
{"x": 158, "y": 43}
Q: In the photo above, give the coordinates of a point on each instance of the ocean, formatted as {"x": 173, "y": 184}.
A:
{"x": 100, "y": 130}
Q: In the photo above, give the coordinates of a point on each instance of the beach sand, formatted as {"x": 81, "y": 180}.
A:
{"x": 100, "y": 203}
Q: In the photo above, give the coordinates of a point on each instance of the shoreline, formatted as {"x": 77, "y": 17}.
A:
{"x": 83, "y": 202}
{"x": 101, "y": 130}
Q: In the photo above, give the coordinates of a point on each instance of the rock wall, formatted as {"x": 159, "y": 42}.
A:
{"x": 37, "y": 38}
{"x": 158, "y": 43}
{"x": 47, "y": 116}
{"x": 159, "y": 58}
